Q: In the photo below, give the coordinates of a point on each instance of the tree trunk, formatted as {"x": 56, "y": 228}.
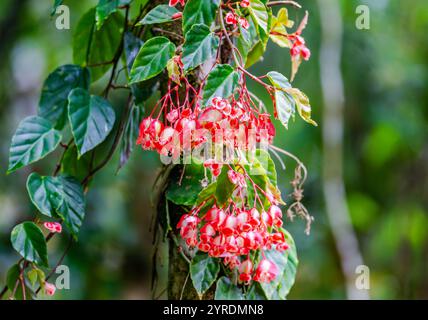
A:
{"x": 179, "y": 282}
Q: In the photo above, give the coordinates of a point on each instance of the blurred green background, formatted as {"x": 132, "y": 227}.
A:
{"x": 385, "y": 150}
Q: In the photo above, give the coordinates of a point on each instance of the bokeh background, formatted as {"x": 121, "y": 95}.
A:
{"x": 382, "y": 75}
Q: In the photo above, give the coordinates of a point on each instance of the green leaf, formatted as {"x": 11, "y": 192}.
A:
{"x": 130, "y": 135}
{"x": 255, "y": 292}
{"x": 56, "y": 88}
{"x": 142, "y": 90}
{"x": 160, "y": 14}
{"x": 28, "y": 240}
{"x": 33, "y": 275}
{"x": 74, "y": 166}
{"x": 255, "y": 54}
{"x": 97, "y": 47}
{"x": 268, "y": 165}
{"x": 72, "y": 210}
{"x": 260, "y": 14}
{"x": 187, "y": 192}
{"x": 105, "y": 8}
{"x": 221, "y": 82}
{"x": 45, "y": 193}
{"x": 284, "y": 102}
{"x": 203, "y": 271}
{"x": 200, "y": 45}
{"x": 303, "y": 106}
{"x": 91, "y": 118}
{"x": 152, "y": 59}
{"x": 278, "y": 80}
{"x": 224, "y": 187}
{"x": 199, "y": 11}
{"x": 34, "y": 139}
{"x": 290, "y": 270}
{"x": 287, "y": 263}
{"x": 226, "y": 290}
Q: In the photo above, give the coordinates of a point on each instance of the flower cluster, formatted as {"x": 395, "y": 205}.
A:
{"x": 236, "y": 124}
{"x": 233, "y": 19}
{"x": 234, "y": 233}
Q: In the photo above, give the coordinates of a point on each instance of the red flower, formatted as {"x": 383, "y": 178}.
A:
{"x": 173, "y": 3}
{"x": 231, "y": 18}
{"x": 245, "y": 270}
{"x": 266, "y": 271}
{"x": 53, "y": 227}
{"x": 245, "y": 3}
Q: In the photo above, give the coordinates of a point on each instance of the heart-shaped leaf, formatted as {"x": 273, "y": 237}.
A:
{"x": 203, "y": 271}
{"x": 199, "y": 11}
{"x": 33, "y": 140}
{"x": 54, "y": 98}
{"x": 72, "y": 210}
{"x": 200, "y": 45}
{"x": 221, "y": 82}
{"x": 152, "y": 59}
{"x": 28, "y": 240}
{"x": 45, "y": 193}
{"x": 91, "y": 118}
{"x": 160, "y": 14}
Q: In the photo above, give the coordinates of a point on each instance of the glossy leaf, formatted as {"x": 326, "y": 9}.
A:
{"x": 290, "y": 270}
{"x": 221, "y": 82}
{"x": 72, "y": 210}
{"x": 160, "y": 14}
{"x": 226, "y": 290}
{"x": 260, "y": 14}
{"x": 199, "y": 11}
{"x": 28, "y": 240}
{"x": 142, "y": 90}
{"x": 33, "y": 140}
{"x": 152, "y": 59}
{"x": 200, "y": 46}
{"x": 303, "y": 105}
{"x": 224, "y": 187}
{"x": 186, "y": 192}
{"x": 94, "y": 47}
{"x": 91, "y": 118}
{"x": 203, "y": 271}
{"x": 45, "y": 193}
{"x": 56, "y": 88}
{"x": 284, "y": 102}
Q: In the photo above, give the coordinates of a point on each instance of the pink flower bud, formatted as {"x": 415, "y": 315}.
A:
{"x": 53, "y": 227}
{"x": 50, "y": 289}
